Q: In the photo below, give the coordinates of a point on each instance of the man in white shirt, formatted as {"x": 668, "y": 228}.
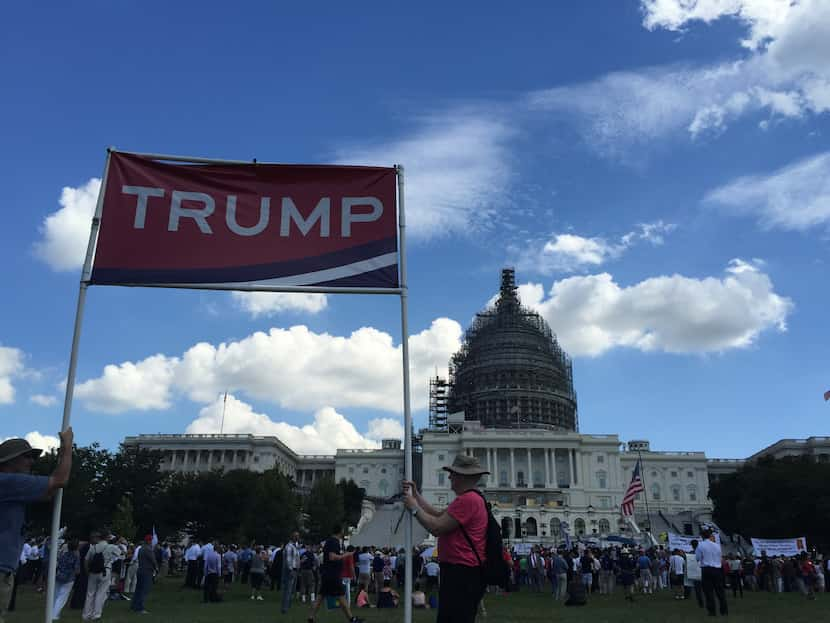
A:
{"x": 677, "y": 569}
{"x": 709, "y": 556}
{"x": 191, "y": 557}
{"x": 291, "y": 567}
{"x": 98, "y": 563}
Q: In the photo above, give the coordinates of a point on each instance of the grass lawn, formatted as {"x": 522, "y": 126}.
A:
{"x": 168, "y": 602}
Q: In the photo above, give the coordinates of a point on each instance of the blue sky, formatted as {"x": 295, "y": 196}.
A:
{"x": 656, "y": 171}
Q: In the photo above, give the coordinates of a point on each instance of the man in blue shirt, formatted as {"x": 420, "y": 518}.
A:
{"x": 17, "y": 488}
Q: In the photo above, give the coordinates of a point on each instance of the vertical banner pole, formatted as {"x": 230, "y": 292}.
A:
{"x": 70, "y": 387}
{"x": 407, "y": 414}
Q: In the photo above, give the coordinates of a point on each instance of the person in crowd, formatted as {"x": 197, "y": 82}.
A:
{"x": 462, "y": 533}
{"x": 709, "y": 555}
{"x": 331, "y": 583}
{"x": 145, "y": 573}
{"x": 131, "y": 570}
{"x": 275, "y": 568}
{"x": 191, "y": 557}
{"x": 607, "y": 574}
{"x": 291, "y": 567}
{"x": 308, "y": 563}
{"x": 256, "y": 571}
{"x": 419, "y": 598}
{"x": 628, "y": 567}
{"x": 586, "y": 565}
{"x": 433, "y": 571}
{"x": 692, "y": 579}
{"x": 348, "y": 573}
{"x": 820, "y": 581}
{"x": 18, "y": 487}
{"x": 560, "y": 571}
{"x": 644, "y": 565}
{"x": 677, "y": 571}
{"x": 229, "y": 566}
{"x": 213, "y": 569}
{"x": 377, "y": 572}
{"x": 535, "y": 569}
{"x": 245, "y": 558}
{"x": 164, "y": 555}
{"x": 364, "y": 567}
{"x": 362, "y": 599}
{"x": 79, "y": 588}
{"x": 805, "y": 579}
{"x": 735, "y": 579}
{"x": 98, "y": 563}
{"x": 68, "y": 569}
{"x": 388, "y": 598}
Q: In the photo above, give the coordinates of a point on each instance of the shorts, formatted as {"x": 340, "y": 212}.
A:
{"x": 256, "y": 580}
{"x": 332, "y": 587}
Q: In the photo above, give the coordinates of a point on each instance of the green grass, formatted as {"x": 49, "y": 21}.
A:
{"x": 167, "y": 602}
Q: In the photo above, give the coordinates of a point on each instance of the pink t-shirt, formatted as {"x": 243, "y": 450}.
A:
{"x": 469, "y": 510}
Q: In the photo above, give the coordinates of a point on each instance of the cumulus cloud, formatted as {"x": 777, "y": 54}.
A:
{"x": 328, "y": 431}
{"x": 457, "y": 171}
{"x": 571, "y": 252}
{"x": 11, "y": 366}
{"x": 795, "y": 197}
{"x": 65, "y": 233}
{"x": 43, "y": 400}
{"x": 47, "y": 443}
{"x": 593, "y": 314}
{"x": 272, "y": 303}
{"x": 141, "y": 386}
{"x": 295, "y": 368}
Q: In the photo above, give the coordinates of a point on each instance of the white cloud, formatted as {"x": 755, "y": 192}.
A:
{"x": 795, "y": 197}
{"x": 272, "y": 303}
{"x": 294, "y": 368}
{"x": 43, "y": 400}
{"x": 784, "y": 75}
{"x": 593, "y": 314}
{"x": 129, "y": 386}
{"x": 571, "y": 252}
{"x": 457, "y": 171}
{"x": 385, "y": 428}
{"x": 11, "y": 366}
{"x": 65, "y": 233}
{"x": 47, "y": 443}
{"x": 329, "y": 431}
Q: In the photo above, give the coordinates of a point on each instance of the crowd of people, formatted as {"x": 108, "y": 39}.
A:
{"x": 450, "y": 577}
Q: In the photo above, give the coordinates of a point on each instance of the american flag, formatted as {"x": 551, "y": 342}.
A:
{"x": 634, "y": 488}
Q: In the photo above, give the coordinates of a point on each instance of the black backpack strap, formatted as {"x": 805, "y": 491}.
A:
{"x": 464, "y": 532}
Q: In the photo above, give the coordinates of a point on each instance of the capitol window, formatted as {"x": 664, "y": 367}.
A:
{"x": 655, "y": 492}
{"x": 600, "y": 459}
{"x": 692, "y": 493}
{"x": 675, "y": 494}
{"x": 690, "y": 474}
{"x": 365, "y": 470}
{"x": 674, "y": 474}
{"x": 383, "y": 471}
{"x": 602, "y": 479}
{"x": 440, "y": 478}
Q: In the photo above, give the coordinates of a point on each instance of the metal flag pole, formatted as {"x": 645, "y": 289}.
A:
{"x": 645, "y": 492}
{"x": 70, "y": 386}
{"x": 407, "y": 415}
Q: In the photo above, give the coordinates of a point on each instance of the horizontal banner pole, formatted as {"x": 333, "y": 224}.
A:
{"x": 259, "y": 288}
{"x": 198, "y": 160}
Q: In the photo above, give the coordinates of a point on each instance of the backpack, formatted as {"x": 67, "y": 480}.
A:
{"x": 494, "y": 570}
{"x": 97, "y": 564}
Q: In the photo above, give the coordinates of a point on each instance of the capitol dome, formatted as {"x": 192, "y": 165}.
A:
{"x": 510, "y": 371}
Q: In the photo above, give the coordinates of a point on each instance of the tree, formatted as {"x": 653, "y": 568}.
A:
{"x": 123, "y": 523}
{"x": 352, "y": 500}
{"x": 775, "y": 499}
{"x": 324, "y": 509}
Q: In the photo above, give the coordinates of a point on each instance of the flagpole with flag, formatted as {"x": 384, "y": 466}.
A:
{"x": 155, "y": 540}
{"x": 634, "y": 487}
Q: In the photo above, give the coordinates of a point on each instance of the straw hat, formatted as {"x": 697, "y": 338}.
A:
{"x": 465, "y": 466}
{"x": 13, "y": 448}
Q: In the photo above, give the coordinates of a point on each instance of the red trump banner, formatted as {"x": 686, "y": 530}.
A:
{"x": 253, "y": 225}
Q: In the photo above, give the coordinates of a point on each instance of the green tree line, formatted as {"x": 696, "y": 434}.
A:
{"x": 776, "y": 499}
{"x": 127, "y": 492}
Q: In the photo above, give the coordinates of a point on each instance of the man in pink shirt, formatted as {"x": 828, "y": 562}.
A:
{"x": 462, "y": 536}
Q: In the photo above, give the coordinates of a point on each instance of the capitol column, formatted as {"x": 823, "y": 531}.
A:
{"x": 529, "y": 475}
{"x": 547, "y": 468}
{"x": 512, "y": 468}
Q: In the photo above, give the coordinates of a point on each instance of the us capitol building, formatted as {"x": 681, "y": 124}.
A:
{"x": 509, "y": 400}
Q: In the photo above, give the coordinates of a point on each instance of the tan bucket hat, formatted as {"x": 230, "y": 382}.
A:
{"x": 466, "y": 466}
{"x": 13, "y": 448}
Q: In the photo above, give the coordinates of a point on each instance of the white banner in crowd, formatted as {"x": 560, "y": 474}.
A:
{"x": 780, "y": 547}
{"x": 684, "y": 543}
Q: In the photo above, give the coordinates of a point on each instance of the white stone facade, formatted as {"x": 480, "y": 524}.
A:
{"x": 541, "y": 480}
{"x": 378, "y": 472}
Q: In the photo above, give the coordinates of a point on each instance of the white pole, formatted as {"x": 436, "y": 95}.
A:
{"x": 407, "y": 414}
{"x": 70, "y": 387}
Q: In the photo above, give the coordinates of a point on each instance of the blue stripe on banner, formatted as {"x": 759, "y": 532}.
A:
{"x": 386, "y": 277}
{"x": 259, "y": 272}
